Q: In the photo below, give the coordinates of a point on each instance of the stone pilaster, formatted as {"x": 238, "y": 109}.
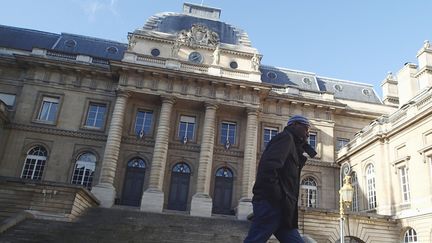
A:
{"x": 202, "y": 204}
{"x": 104, "y": 190}
{"x": 153, "y": 198}
{"x": 249, "y": 164}
{"x": 383, "y": 179}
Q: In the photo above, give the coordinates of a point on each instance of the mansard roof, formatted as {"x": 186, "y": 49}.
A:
{"x": 342, "y": 89}
{"x": 172, "y": 23}
{"x": 26, "y": 39}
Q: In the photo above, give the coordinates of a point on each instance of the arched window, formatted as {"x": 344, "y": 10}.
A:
{"x": 84, "y": 170}
{"x": 224, "y": 172}
{"x": 354, "y": 183}
{"x": 370, "y": 183}
{"x": 35, "y": 163}
{"x": 410, "y": 236}
{"x": 137, "y": 163}
{"x": 309, "y": 191}
{"x": 181, "y": 168}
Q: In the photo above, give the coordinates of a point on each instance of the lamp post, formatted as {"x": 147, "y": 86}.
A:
{"x": 345, "y": 199}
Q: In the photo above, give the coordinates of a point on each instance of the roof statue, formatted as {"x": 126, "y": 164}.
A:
{"x": 255, "y": 62}
{"x": 216, "y": 56}
{"x": 426, "y": 44}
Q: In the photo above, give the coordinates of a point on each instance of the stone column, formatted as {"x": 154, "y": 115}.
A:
{"x": 153, "y": 198}
{"x": 249, "y": 164}
{"x": 202, "y": 204}
{"x": 104, "y": 190}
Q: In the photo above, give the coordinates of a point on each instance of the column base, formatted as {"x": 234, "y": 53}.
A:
{"x": 105, "y": 193}
{"x": 201, "y": 205}
{"x": 152, "y": 201}
{"x": 244, "y": 208}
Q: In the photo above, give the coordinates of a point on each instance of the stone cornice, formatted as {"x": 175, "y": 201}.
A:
{"x": 57, "y": 131}
{"x": 136, "y": 67}
{"x": 64, "y": 64}
{"x": 426, "y": 69}
{"x": 385, "y": 127}
{"x": 400, "y": 160}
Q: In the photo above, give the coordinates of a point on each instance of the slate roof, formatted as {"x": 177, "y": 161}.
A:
{"x": 172, "y": 23}
{"x": 26, "y": 39}
{"x": 342, "y": 89}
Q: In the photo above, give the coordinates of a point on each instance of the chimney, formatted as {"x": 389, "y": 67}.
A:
{"x": 390, "y": 90}
{"x": 407, "y": 83}
{"x": 424, "y": 75}
{"x": 201, "y": 11}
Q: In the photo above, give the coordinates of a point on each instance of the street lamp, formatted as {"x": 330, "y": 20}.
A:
{"x": 345, "y": 199}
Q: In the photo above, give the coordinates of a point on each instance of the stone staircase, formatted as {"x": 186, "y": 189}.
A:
{"x": 126, "y": 225}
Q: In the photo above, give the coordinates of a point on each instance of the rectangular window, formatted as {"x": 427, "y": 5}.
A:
{"x": 95, "y": 115}
{"x": 143, "y": 122}
{"x": 228, "y": 133}
{"x": 48, "y": 109}
{"x": 371, "y": 192}
{"x": 403, "y": 175}
{"x": 341, "y": 142}
{"x": 186, "y": 128}
{"x": 269, "y": 133}
{"x": 355, "y": 206}
{"x": 312, "y": 140}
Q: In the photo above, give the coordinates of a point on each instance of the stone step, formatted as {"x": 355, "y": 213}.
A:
{"x": 122, "y": 225}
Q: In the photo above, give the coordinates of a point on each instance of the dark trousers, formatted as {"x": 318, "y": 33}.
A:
{"x": 267, "y": 220}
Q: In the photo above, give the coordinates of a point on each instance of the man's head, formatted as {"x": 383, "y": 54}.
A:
{"x": 301, "y": 125}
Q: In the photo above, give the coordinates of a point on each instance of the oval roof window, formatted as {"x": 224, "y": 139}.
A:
{"x": 366, "y": 92}
{"x": 155, "y": 52}
{"x": 112, "y": 49}
{"x": 271, "y": 75}
{"x": 307, "y": 81}
{"x": 70, "y": 43}
{"x": 338, "y": 87}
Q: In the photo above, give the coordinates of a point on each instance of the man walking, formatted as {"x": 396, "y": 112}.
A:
{"x": 277, "y": 184}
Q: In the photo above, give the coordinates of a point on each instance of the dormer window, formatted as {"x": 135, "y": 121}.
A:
{"x": 271, "y": 75}
{"x": 307, "y": 81}
{"x": 366, "y": 92}
{"x": 70, "y": 43}
{"x": 112, "y": 50}
{"x": 338, "y": 87}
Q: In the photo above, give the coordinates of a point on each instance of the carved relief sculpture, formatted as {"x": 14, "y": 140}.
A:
{"x": 198, "y": 35}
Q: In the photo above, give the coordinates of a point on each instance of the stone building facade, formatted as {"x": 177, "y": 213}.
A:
{"x": 175, "y": 119}
{"x": 391, "y": 159}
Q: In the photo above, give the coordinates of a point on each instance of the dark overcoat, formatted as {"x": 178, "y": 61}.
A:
{"x": 278, "y": 175}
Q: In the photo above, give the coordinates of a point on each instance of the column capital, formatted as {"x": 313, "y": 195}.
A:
{"x": 168, "y": 99}
{"x": 123, "y": 93}
{"x": 252, "y": 111}
{"x": 211, "y": 105}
